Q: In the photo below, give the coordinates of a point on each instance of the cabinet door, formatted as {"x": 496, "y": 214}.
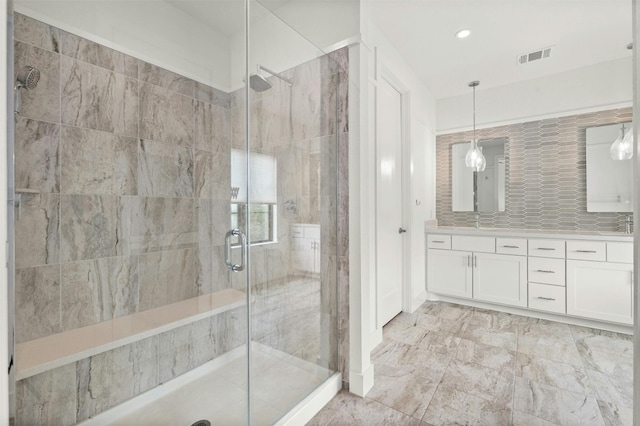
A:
{"x": 449, "y": 273}
{"x": 500, "y": 278}
{"x": 302, "y": 254}
{"x": 600, "y": 290}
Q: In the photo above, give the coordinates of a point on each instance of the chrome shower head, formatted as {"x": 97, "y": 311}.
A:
{"x": 28, "y": 78}
{"x": 259, "y": 83}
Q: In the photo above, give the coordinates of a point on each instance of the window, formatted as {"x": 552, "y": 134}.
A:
{"x": 262, "y": 219}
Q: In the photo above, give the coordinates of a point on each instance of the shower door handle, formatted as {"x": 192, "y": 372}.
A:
{"x": 243, "y": 247}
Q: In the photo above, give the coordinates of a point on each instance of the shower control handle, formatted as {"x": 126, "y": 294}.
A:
{"x": 243, "y": 247}
{"x": 401, "y": 230}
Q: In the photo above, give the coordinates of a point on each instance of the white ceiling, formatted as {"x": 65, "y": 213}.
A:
{"x": 583, "y": 32}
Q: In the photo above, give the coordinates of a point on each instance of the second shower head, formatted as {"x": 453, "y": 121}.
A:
{"x": 28, "y": 77}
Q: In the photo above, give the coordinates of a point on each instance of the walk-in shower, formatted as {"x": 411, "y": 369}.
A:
{"x": 141, "y": 146}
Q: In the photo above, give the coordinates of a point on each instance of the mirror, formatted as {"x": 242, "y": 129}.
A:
{"x": 490, "y": 184}
{"x": 609, "y": 182}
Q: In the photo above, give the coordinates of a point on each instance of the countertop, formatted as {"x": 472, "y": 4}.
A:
{"x": 530, "y": 233}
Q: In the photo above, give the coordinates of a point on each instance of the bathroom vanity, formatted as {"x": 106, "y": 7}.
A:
{"x": 577, "y": 277}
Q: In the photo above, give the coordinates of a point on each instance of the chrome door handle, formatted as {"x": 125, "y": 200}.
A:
{"x": 545, "y": 271}
{"x": 510, "y": 246}
{"x": 586, "y": 251}
{"x": 243, "y": 247}
{"x": 545, "y": 298}
{"x": 545, "y": 248}
{"x": 402, "y": 231}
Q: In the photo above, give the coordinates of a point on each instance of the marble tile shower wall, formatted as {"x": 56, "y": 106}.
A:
{"x": 125, "y": 169}
{"x": 546, "y": 177}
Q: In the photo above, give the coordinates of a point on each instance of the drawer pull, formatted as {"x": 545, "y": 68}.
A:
{"x": 438, "y": 241}
{"x": 586, "y": 251}
{"x": 545, "y": 271}
{"x": 545, "y": 248}
{"x": 545, "y": 298}
{"x": 510, "y": 246}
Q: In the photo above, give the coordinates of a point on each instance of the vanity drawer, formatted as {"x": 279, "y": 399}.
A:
{"x": 587, "y": 250}
{"x": 473, "y": 243}
{"x": 550, "y": 298}
{"x": 438, "y": 241}
{"x": 547, "y": 271}
{"x": 620, "y": 252}
{"x": 547, "y": 248}
{"x": 517, "y": 246}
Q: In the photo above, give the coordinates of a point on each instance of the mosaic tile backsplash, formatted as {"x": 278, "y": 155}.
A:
{"x": 546, "y": 181}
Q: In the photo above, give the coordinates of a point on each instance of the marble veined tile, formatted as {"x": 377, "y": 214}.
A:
{"x": 436, "y": 323}
{"x": 493, "y": 357}
{"x": 362, "y": 411}
{"x": 524, "y": 419}
{"x": 554, "y": 348}
{"x": 484, "y": 382}
{"x": 406, "y": 388}
{"x": 214, "y": 220}
{"x": 448, "y": 311}
{"x": 37, "y": 164}
{"x": 166, "y": 277}
{"x": 213, "y": 175}
{"x": 212, "y": 272}
{"x": 555, "y": 405}
{"x": 153, "y": 74}
{"x": 495, "y": 320}
{"x": 166, "y": 116}
{"x": 615, "y": 390}
{"x": 92, "y": 227}
{"x": 451, "y": 406}
{"x": 36, "y": 33}
{"x": 212, "y": 95}
{"x": 97, "y": 54}
{"x": 610, "y": 355}
{"x": 109, "y": 378}
{"x": 37, "y": 302}
{"x": 552, "y": 373}
{"x": 48, "y": 398}
{"x": 615, "y": 415}
{"x": 98, "y": 290}
{"x": 165, "y": 170}
{"x": 492, "y": 337}
{"x": 403, "y": 332}
{"x": 212, "y": 127}
{"x": 95, "y": 162}
{"x": 42, "y": 102}
{"x": 162, "y": 224}
{"x": 38, "y": 230}
{"x": 99, "y": 99}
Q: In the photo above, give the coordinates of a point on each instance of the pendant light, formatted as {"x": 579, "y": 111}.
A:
{"x": 622, "y": 147}
{"x": 474, "y": 157}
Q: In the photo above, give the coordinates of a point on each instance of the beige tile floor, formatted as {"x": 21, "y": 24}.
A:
{"x": 449, "y": 364}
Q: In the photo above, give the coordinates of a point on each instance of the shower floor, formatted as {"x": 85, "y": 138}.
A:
{"x": 217, "y": 391}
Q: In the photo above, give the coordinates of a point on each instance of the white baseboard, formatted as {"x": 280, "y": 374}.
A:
{"x": 361, "y": 383}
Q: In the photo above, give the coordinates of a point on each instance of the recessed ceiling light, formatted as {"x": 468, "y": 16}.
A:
{"x": 463, "y": 33}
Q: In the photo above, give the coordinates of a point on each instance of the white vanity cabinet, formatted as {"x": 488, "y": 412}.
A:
{"x": 305, "y": 247}
{"x": 586, "y": 277}
{"x": 477, "y": 272}
{"x": 601, "y": 289}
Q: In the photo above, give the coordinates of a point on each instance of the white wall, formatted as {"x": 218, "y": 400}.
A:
{"x": 420, "y": 156}
{"x": 154, "y": 31}
{"x": 324, "y": 23}
{"x": 598, "y": 87}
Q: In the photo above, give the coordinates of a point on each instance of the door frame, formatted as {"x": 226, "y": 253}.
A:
{"x": 384, "y": 73}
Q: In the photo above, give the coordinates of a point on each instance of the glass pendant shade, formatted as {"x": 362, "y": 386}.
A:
{"x": 622, "y": 147}
{"x": 474, "y": 158}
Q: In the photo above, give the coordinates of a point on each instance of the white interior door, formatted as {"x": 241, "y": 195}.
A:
{"x": 389, "y": 215}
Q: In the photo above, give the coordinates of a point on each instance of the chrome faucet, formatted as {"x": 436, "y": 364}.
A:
{"x": 477, "y": 220}
{"x": 628, "y": 224}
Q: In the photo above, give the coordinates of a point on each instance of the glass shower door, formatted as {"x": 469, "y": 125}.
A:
{"x": 291, "y": 211}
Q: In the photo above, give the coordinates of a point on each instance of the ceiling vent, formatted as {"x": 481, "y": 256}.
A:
{"x": 534, "y": 56}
